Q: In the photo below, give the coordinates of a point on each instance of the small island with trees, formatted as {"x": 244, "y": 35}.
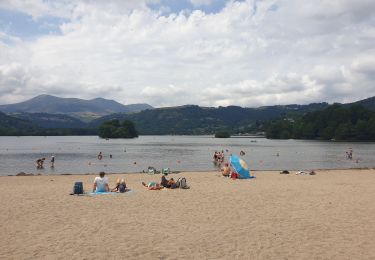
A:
{"x": 222, "y": 134}
{"x": 117, "y": 129}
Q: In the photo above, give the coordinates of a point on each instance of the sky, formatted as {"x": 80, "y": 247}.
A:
{"x": 213, "y": 53}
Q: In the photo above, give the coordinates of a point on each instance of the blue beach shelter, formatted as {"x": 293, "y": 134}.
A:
{"x": 240, "y": 166}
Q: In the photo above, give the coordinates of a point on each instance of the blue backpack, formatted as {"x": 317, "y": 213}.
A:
{"x": 78, "y": 187}
{"x": 122, "y": 188}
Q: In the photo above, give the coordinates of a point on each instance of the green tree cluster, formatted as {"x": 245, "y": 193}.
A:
{"x": 117, "y": 129}
{"x": 336, "y": 122}
{"x": 222, "y": 134}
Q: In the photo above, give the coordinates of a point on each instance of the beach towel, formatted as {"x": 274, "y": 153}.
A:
{"x": 251, "y": 177}
{"x": 108, "y": 192}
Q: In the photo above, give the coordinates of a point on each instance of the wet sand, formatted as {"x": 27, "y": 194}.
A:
{"x": 327, "y": 216}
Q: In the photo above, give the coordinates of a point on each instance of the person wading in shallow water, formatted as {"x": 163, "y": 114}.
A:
{"x": 52, "y": 161}
{"x": 39, "y": 163}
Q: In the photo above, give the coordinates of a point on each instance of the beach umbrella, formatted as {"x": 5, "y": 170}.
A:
{"x": 240, "y": 166}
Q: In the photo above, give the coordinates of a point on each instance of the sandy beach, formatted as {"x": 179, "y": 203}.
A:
{"x": 326, "y": 216}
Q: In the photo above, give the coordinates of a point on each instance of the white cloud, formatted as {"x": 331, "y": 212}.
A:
{"x": 250, "y": 53}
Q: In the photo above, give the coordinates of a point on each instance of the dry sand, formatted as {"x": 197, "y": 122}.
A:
{"x": 327, "y": 216}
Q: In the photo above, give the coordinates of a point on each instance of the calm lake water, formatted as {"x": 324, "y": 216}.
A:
{"x": 78, "y": 154}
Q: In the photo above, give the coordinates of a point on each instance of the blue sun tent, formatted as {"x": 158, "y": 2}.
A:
{"x": 240, "y": 166}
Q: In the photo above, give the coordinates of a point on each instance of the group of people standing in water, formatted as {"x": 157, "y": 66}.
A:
{"x": 218, "y": 157}
{"x": 40, "y": 162}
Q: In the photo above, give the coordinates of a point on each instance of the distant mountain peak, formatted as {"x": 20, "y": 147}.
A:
{"x": 76, "y": 107}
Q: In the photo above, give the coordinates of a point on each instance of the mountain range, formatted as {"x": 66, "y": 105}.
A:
{"x": 85, "y": 110}
{"x": 47, "y": 112}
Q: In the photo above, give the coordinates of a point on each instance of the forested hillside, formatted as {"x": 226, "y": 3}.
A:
{"x": 336, "y": 122}
{"x": 191, "y": 119}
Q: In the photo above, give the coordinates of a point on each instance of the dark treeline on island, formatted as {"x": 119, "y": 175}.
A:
{"x": 337, "y": 122}
{"x": 117, "y": 129}
{"x": 222, "y": 134}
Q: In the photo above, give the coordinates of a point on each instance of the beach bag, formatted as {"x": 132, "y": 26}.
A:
{"x": 178, "y": 183}
{"x": 234, "y": 175}
{"x": 121, "y": 188}
{"x": 183, "y": 183}
{"x": 165, "y": 171}
{"x": 151, "y": 170}
{"x": 78, "y": 188}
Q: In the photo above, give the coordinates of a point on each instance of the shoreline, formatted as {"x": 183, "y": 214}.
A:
{"x": 178, "y": 172}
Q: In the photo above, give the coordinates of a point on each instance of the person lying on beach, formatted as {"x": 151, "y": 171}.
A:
{"x": 225, "y": 171}
{"x": 100, "y": 183}
{"x": 152, "y": 185}
{"x": 120, "y": 186}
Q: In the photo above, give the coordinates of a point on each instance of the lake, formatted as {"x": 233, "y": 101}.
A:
{"x": 78, "y": 154}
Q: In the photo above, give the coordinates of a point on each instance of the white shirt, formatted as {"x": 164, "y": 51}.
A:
{"x": 101, "y": 183}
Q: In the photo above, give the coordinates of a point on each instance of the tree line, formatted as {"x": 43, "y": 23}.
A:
{"x": 117, "y": 129}
{"x": 336, "y": 122}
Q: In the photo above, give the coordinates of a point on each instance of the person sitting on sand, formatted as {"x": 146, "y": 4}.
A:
{"x": 172, "y": 182}
{"x": 115, "y": 189}
{"x": 225, "y": 171}
{"x": 164, "y": 181}
{"x": 101, "y": 183}
{"x": 152, "y": 185}
{"x": 120, "y": 186}
{"x": 168, "y": 183}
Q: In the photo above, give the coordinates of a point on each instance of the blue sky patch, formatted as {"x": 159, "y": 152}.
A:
{"x": 183, "y": 5}
{"x": 25, "y": 27}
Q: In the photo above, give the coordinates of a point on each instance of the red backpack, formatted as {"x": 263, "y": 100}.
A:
{"x": 234, "y": 175}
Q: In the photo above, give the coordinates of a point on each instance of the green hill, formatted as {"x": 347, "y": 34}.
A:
{"x": 188, "y": 119}
{"x": 368, "y": 103}
{"x": 14, "y": 126}
{"x": 192, "y": 119}
{"x": 45, "y": 120}
{"x": 337, "y": 122}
